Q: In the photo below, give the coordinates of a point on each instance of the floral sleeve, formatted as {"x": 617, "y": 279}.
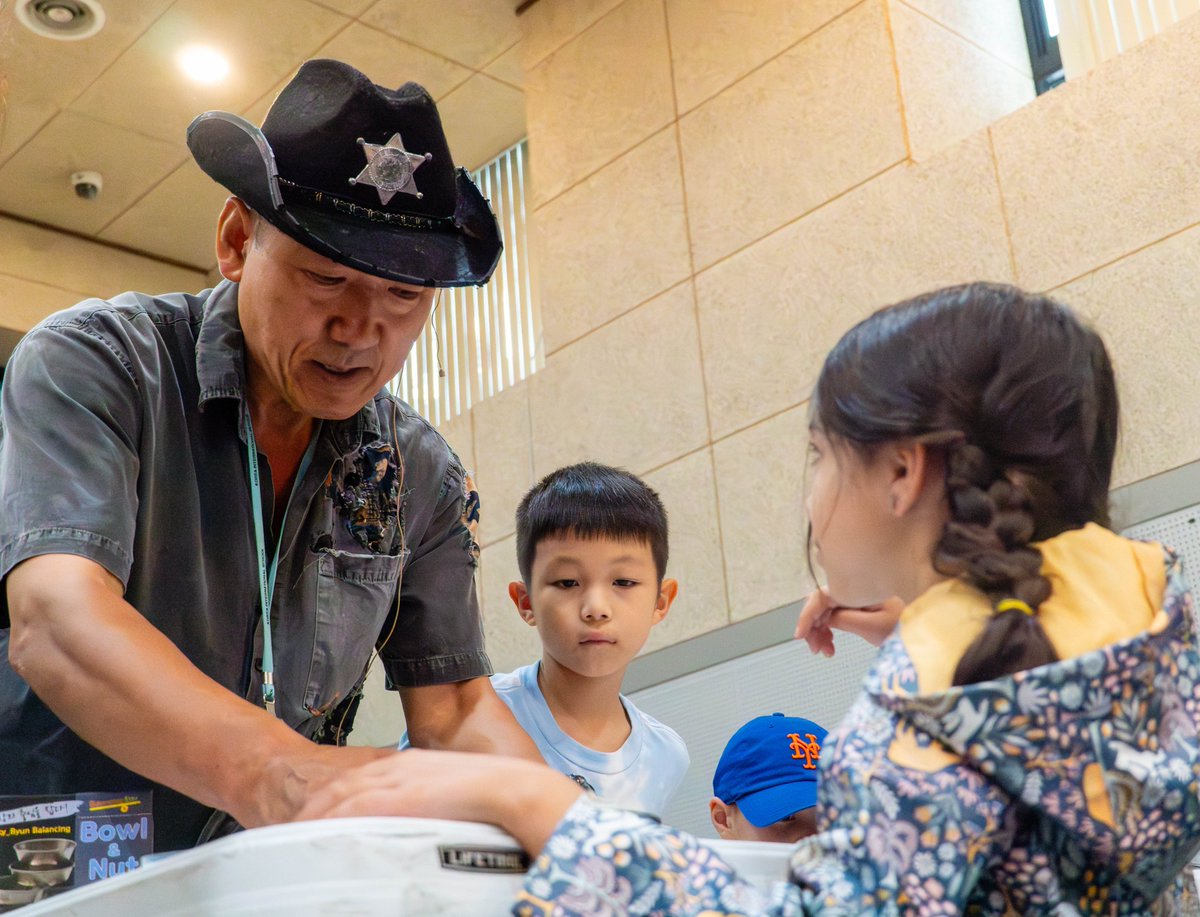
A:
{"x": 603, "y": 861}
{"x": 906, "y": 828}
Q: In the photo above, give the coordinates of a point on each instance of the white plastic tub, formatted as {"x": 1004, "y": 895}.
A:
{"x": 357, "y": 866}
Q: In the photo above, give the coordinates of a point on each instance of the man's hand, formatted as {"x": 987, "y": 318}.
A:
{"x": 525, "y": 799}
{"x": 821, "y": 615}
{"x": 128, "y": 690}
{"x": 124, "y": 687}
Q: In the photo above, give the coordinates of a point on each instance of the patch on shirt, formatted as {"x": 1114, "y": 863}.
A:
{"x": 470, "y": 515}
{"x": 366, "y": 497}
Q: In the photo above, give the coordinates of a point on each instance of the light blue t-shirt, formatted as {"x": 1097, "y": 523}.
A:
{"x": 641, "y": 775}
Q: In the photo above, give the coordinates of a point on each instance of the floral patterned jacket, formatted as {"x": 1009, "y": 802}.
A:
{"x": 1072, "y": 788}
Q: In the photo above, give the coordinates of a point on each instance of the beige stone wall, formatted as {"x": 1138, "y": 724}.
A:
{"x": 42, "y": 271}
{"x": 721, "y": 187}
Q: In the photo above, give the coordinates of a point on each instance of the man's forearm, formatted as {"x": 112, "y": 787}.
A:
{"x": 126, "y": 689}
{"x": 465, "y": 716}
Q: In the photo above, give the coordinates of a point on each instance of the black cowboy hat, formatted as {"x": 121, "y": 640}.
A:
{"x": 358, "y": 173}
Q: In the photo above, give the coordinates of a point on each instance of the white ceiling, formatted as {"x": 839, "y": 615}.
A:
{"x": 117, "y": 103}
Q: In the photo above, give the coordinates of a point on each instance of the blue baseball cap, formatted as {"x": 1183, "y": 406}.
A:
{"x": 769, "y": 768}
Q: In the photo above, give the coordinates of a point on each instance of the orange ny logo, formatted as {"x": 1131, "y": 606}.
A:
{"x": 810, "y": 751}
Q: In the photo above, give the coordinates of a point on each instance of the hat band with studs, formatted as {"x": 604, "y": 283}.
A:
{"x": 329, "y": 201}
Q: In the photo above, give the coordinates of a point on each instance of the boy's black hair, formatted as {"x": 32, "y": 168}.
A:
{"x": 591, "y": 501}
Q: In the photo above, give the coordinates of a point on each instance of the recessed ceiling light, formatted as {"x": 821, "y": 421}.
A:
{"x": 204, "y": 64}
{"x": 64, "y": 20}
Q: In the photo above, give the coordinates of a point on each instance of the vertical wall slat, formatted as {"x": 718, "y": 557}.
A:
{"x": 465, "y": 338}
{"x": 531, "y": 312}
{"x": 453, "y": 405}
{"x": 1126, "y": 24}
{"x": 514, "y": 283}
{"x": 475, "y": 331}
{"x": 483, "y": 338}
{"x": 434, "y": 382}
{"x": 485, "y": 296}
{"x": 412, "y": 376}
{"x": 444, "y": 378}
{"x": 511, "y": 310}
{"x": 426, "y": 342}
{"x": 1151, "y": 13}
{"x": 494, "y": 292}
{"x": 503, "y": 287}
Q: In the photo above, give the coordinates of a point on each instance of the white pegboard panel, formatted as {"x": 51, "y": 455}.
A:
{"x": 1179, "y": 530}
{"x": 708, "y": 706}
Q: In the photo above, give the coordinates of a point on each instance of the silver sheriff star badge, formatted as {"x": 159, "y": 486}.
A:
{"x": 390, "y": 168}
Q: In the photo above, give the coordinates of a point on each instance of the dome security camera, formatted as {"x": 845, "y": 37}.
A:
{"x": 87, "y": 184}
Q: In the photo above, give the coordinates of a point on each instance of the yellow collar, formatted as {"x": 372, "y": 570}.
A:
{"x": 1104, "y": 589}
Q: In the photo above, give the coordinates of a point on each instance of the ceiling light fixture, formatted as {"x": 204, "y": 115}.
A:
{"x": 62, "y": 20}
{"x": 203, "y": 64}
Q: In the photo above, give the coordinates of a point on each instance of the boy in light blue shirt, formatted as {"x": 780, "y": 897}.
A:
{"x": 592, "y": 551}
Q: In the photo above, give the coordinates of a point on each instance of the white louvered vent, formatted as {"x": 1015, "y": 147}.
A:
{"x": 481, "y": 340}
{"x": 1092, "y": 31}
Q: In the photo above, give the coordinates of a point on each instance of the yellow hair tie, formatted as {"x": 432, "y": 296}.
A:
{"x": 1014, "y": 605}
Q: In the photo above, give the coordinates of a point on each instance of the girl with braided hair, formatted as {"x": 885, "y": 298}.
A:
{"x": 1026, "y": 741}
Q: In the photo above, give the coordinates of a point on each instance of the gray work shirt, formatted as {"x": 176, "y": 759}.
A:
{"x": 121, "y": 440}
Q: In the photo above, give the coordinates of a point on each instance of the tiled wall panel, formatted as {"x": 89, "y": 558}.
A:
{"x": 588, "y": 103}
{"x": 510, "y": 641}
{"x": 1144, "y": 305}
{"x": 714, "y": 43}
{"x": 630, "y": 394}
{"x": 951, "y": 86}
{"x": 760, "y": 488}
{"x": 809, "y": 125}
{"x": 688, "y": 491}
{"x": 769, "y": 314}
{"x": 503, "y": 457}
{"x": 1104, "y": 165}
{"x": 613, "y": 241}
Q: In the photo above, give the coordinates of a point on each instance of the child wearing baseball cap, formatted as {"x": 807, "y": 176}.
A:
{"x": 765, "y": 785}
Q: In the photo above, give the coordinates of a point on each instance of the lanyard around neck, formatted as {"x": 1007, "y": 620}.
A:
{"x": 266, "y": 577}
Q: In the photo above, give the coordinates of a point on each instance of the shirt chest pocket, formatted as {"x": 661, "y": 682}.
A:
{"x": 356, "y": 598}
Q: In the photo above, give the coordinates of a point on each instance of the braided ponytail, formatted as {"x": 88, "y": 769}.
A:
{"x": 986, "y": 544}
{"x": 1020, "y": 396}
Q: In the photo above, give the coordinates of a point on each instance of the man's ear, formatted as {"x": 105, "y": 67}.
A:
{"x": 667, "y": 591}
{"x": 520, "y": 596}
{"x": 719, "y": 813}
{"x": 914, "y": 467}
{"x": 235, "y": 235}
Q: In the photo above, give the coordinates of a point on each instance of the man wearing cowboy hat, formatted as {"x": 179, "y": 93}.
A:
{"x": 171, "y": 466}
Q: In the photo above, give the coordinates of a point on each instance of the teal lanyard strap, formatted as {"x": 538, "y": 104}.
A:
{"x": 266, "y": 579}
